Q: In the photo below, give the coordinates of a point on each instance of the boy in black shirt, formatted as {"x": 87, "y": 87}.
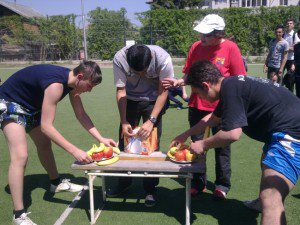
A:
{"x": 262, "y": 110}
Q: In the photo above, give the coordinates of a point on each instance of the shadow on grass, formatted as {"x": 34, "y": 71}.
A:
{"x": 32, "y": 182}
{"x": 296, "y": 196}
{"x": 172, "y": 204}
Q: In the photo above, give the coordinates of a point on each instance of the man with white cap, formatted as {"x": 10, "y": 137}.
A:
{"x": 226, "y": 56}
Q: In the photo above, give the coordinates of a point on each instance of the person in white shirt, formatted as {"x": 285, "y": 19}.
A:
{"x": 290, "y": 37}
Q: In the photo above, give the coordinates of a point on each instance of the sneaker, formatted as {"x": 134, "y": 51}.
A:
{"x": 254, "y": 205}
{"x": 219, "y": 194}
{"x": 23, "y": 220}
{"x": 66, "y": 185}
{"x": 150, "y": 200}
{"x": 179, "y": 108}
{"x": 196, "y": 191}
{"x": 117, "y": 191}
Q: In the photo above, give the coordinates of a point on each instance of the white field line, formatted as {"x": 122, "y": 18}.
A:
{"x": 69, "y": 209}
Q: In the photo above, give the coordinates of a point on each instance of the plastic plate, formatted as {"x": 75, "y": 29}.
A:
{"x": 103, "y": 159}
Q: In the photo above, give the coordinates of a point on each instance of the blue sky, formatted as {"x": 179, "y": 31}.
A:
{"x": 64, "y": 7}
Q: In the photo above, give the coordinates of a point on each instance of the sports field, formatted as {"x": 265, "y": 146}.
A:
{"x": 47, "y": 209}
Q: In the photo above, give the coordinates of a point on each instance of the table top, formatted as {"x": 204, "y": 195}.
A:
{"x": 156, "y": 162}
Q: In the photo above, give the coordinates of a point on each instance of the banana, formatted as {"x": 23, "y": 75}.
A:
{"x": 116, "y": 150}
{"x": 92, "y": 150}
{"x": 108, "y": 162}
{"x": 101, "y": 147}
{"x": 173, "y": 150}
{"x": 170, "y": 155}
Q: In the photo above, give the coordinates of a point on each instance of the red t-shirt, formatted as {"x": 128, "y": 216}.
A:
{"x": 226, "y": 56}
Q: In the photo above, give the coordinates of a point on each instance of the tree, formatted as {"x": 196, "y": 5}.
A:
{"x": 176, "y": 4}
{"x": 107, "y": 33}
{"x": 60, "y": 36}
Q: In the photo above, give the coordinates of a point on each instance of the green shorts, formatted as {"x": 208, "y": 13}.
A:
{"x": 11, "y": 111}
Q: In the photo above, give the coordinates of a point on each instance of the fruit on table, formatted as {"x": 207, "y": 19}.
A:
{"x": 108, "y": 162}
{"x": 93, "y": 150}
{"x": 101, "y": 148}
{"x": 190, "y": 156}
{"x": 179, "y": 156}
{"x": 116, "y": 150}
{"x": 108, "y": 152}
{"x": 97, "y": 156}
{"x": 173, "y": 150}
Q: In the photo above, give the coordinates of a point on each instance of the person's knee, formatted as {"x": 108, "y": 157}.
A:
{"x": 271, "y": 199}
{"x": 20, "y": 159}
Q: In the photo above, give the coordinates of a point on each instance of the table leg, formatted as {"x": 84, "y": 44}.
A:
{"x": 103, "y": 189}
{"x": 187, "y": 200}
{"x": 92, "y": 207}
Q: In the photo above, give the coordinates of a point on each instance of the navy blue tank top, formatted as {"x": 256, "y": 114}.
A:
{"x": 26, "y": 87}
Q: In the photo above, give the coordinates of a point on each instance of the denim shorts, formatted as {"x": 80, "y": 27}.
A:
{"x": 282, "y": 154}
{"x": 11, "y": 111}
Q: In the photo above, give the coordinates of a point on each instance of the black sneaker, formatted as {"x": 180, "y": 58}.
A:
{"x": 150, "y": 200}
{"x": 117, "y": 191}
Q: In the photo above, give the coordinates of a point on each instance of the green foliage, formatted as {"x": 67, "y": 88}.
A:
{"x": 176, "y": 4}
{"x": 107, "y": 32}
{"x": 61, "y": 35}
{"x": 252, "y": 28}
{"x": 15, "y": 32}
{"x": 55, "y": 35}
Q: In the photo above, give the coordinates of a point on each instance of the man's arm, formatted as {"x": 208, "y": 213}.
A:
{"x": 147, "y": 127}
{"x": 122, "y": 104}
{"x": 209, "y": 120}
{"x": 184, "y": 94}
{"x": 220, "y": 139}
{"x": 283, "y": 63}
{"x": 265, "y": 69}
{"x": 85, "y": 120}
{"x": 52, "y": 96}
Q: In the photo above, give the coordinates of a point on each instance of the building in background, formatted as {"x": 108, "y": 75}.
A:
{"x": 11, "y": 51}
{"x": 221, "y": 4}
{"x": 10, "y": 8}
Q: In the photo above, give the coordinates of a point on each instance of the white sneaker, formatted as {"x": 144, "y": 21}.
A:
{"x": 23, "y": 220}
{"x": 66, "y": 185}
{"x": 254, "y": 205}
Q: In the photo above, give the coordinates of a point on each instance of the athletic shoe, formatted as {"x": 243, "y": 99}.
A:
{"x": 150, "y": 200}
{"x": 23, "y": 220}
{"x": 66, "y": 185}
{"x": 219, "y": 194}
{"x": 196, "y": 191}
{"x": 254, "y": 205}
{"x": 117, "y": 191}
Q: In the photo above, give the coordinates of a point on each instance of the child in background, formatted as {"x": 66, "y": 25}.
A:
{"x": 177, "y": 91}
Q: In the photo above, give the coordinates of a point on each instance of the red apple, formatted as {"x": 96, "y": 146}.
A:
{"x": 179, "y": 156}
{"x": 97, "y": 156}
{"x": 108, "y": 152}
{"x": 185, "y": 151}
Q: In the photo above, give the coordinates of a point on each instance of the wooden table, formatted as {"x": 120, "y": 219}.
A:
{"x": 129, "y": 165}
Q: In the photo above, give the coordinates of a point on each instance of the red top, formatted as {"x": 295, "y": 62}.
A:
{"x": 226, "y": 56}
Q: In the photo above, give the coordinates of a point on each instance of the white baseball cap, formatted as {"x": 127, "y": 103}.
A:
{"x": 210, "y": 23}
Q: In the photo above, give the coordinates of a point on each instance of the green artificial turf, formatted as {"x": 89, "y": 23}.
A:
{"x": 129, "y": 209}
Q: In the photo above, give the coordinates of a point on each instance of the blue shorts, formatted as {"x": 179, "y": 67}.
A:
{"x": 11, "y": 111}
{"x": 282, "y": 154}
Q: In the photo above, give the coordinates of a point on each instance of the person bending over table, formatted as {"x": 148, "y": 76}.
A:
{"x": 28, "y": 102}
{"x": 262, "y": 110}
